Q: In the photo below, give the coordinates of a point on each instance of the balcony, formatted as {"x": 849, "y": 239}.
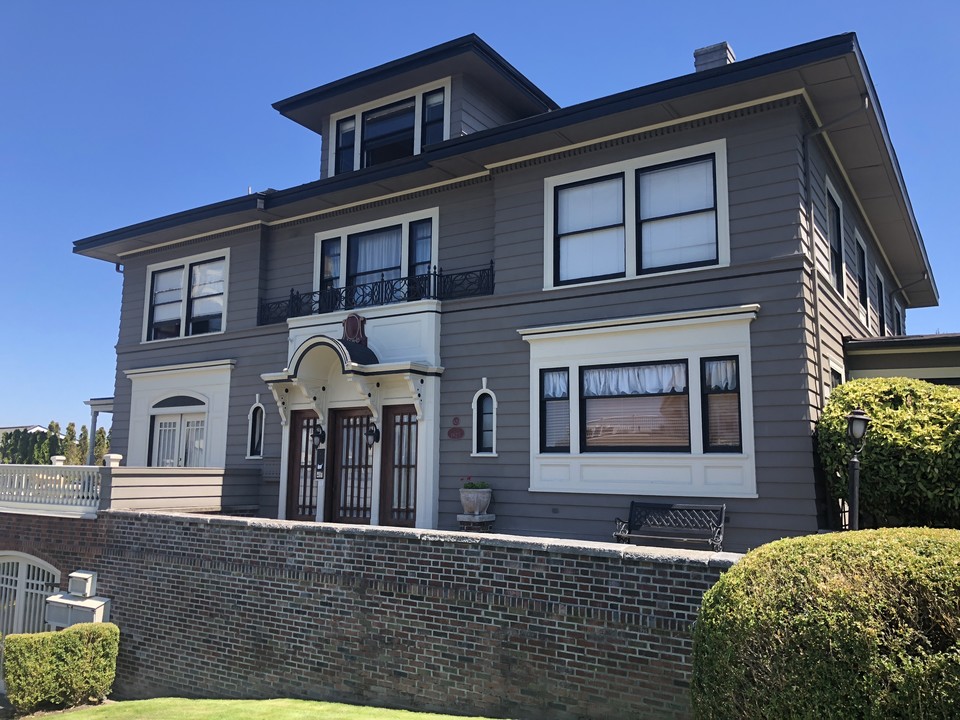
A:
{"x": 434, "y": 285}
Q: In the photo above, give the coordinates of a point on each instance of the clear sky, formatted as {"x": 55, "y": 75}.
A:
{"x": 119, "y": 112}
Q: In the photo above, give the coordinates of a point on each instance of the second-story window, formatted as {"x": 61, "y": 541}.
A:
{"x": 881, "y": 308}
{"x": 835, "y": 237}
{"x": 329, "y": 263}
{"x": 186, "y": 299}
{"x": 396, "y": 127}
{"x": 374, "y": 255}
{"x": 862, "y": 291}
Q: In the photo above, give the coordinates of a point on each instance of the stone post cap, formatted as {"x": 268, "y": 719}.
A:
{"x": 58, "y": 460}
{"x": 112, "y": 459}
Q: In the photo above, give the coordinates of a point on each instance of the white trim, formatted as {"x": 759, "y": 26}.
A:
{"x": 263, "y": 425}
{"x": 899, "y": 312}
{"x": 862, "y": 312}
{"x": 484, "y": 390}
{"x": 832, "y": 192}
{"x": 207, "y": 381}
{"x": 344, "y": 233}
{"x": 693, "y": 336}
{"x": 415, "y": 93}
{"x": 833, "y": 365}
{"x": 185, "y": 263}
{"x": 628, "y": 168}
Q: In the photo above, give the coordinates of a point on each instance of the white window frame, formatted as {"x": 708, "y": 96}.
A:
{"x": 344, "y": 233}
{"x": 693, "y": 336}
{"x": 899, "y": 313}
{"x": 416, "y": 93}
{"x": 832, "y": 192}
{"x": 484, "y": 390}
{"x": 863, "y": 312}
{"x": 256, "y": 404}
{"x": 834, "y": 365}
{"x": 185, "y": 263}
{"x": 206, "y": 381}
{"x": 717, "y": 148}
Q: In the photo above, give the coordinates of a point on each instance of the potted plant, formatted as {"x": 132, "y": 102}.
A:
{"x": 475, "y": 496}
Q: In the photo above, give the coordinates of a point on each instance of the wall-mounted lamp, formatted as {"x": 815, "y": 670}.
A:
{"x": 372, "y": 434}
{"x": 319, "y": 436}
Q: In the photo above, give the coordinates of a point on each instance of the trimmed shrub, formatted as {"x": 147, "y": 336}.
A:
{"x": 910, "y": 464}
{"x": 844, "y": 625}
{"x": 60, "y": 669}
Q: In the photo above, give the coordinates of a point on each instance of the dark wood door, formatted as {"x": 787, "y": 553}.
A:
{"x": 303, "y": 475}
{"x": 398, "y": 467}
{"x": 350, "y": 486}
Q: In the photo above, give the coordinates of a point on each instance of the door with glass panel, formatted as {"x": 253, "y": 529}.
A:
{"x": 305, "y": 468}
{"x": 179, "y": 440}
{"x": 398, "y": 471}
{"x": 24, "y": 588}
{"x": 350, "y": 489}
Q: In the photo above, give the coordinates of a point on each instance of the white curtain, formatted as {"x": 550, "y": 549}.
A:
{"x": 680, "y": 189}
{"x": 585, "y": 252}
{"x": 375, "y": 253}
{"x": 555, "y": 384}
{"x": 720, "y": 374}
{"x": 635, "y": 380}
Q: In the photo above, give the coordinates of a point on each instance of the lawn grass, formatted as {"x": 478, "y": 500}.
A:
{"x": 284, "y": 709}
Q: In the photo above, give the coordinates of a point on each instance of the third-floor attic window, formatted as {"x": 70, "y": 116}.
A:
{"x": 377, "y": 133}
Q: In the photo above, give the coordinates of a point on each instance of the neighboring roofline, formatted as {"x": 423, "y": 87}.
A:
{"x": 470, "y": 42}
{"x": 946, "y": 341}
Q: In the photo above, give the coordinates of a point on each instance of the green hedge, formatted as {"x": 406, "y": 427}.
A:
{"x": 60, "y": 669}
{"x": 844, "y": 625}
{"x": 910, "y": 464}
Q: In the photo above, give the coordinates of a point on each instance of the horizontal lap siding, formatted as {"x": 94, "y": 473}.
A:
{"x": 479, "y": 338}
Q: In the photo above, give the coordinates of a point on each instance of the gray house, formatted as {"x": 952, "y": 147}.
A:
{"x": 641, "y": 296}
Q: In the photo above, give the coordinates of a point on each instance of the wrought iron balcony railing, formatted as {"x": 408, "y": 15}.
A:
{"x": 434, "y": 285}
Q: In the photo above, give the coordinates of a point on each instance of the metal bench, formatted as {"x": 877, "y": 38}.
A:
{"x": 679, "y": 523}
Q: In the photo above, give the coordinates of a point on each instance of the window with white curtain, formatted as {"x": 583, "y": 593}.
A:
{"x": 374, "y": 255}
{"x": 720, "y": 385}
{"x": 639, "y": 407}
{"x": 660, "y": 213}
{"x": 555, "y": 410}
{"x": 590, "y": 230}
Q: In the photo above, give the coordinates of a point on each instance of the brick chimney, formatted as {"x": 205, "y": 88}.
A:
{"x": 713, "y": 56}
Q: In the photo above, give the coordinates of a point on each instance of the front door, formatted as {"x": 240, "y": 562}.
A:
{"x": 398, "y": 472}
{"x": 305, "y": 471}
{"x": 350, "y": 490}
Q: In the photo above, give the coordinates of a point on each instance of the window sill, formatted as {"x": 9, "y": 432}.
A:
{"x": 484, "y": 455}
{"x": 638, "y": 276}
{"x": 182, "y": 337}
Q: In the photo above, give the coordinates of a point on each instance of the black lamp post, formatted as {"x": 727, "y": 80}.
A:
{"x": 857, "y": 422}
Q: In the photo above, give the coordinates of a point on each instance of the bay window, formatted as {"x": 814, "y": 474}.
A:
{"x": 186, "y": 298}
{"x": 661, "y": 213}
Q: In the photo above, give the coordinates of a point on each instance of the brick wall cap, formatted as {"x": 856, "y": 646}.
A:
{"x": 542, "y": 544}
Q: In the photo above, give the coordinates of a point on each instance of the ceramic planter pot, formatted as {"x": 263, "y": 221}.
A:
{"x": 475, "y": 501}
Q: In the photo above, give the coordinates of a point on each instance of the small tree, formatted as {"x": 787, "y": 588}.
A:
{"x": 101, "y": 446}
{"x": 910, "y": 464}
{"x": 83, "y": 443}
{"x": 71, "y": 449}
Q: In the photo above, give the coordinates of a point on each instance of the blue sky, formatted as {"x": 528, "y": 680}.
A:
{"x": 118, "y": 112}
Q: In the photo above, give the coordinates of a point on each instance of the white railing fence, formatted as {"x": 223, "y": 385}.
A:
{"x": 73, "y": 490}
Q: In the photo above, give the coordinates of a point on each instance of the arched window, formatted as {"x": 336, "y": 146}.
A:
{"x": 255, "y": 430}
{"x": 485, "y": 421}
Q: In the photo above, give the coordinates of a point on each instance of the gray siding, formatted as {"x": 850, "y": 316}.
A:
{"x": 475, "y": 108}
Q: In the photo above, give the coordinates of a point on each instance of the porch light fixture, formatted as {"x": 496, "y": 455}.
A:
{"x": 372, "y": 434}
{"x": 319, "y": 436}
{"x": 857, "y": 422}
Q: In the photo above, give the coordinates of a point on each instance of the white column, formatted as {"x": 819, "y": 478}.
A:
{"x": 92, "y": 436}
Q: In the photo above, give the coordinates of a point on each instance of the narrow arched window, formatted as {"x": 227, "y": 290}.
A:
{"x": 255, "y": 431}
{"x": 484, "y": 422}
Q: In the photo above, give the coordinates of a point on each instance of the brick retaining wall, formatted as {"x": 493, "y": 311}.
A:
{"x": 445, "y": 621}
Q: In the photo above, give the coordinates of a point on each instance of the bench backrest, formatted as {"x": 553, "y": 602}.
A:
{"x": 679, "y": 520}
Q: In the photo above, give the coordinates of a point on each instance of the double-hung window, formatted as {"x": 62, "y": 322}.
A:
{"x": 660, "y": 213}
{"x": 396, "y": 127}
{"x": 186, "y": 299}
{"x": 555, "y": 410}
{"x": 677, "y": 208}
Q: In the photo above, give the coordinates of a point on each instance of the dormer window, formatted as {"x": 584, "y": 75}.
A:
{"x": 388, "y": 130}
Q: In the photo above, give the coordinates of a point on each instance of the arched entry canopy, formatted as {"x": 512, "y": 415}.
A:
{"x": 324, "y": 370}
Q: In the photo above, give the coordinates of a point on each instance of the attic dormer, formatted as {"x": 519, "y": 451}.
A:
{"x": 404, "y": 107}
